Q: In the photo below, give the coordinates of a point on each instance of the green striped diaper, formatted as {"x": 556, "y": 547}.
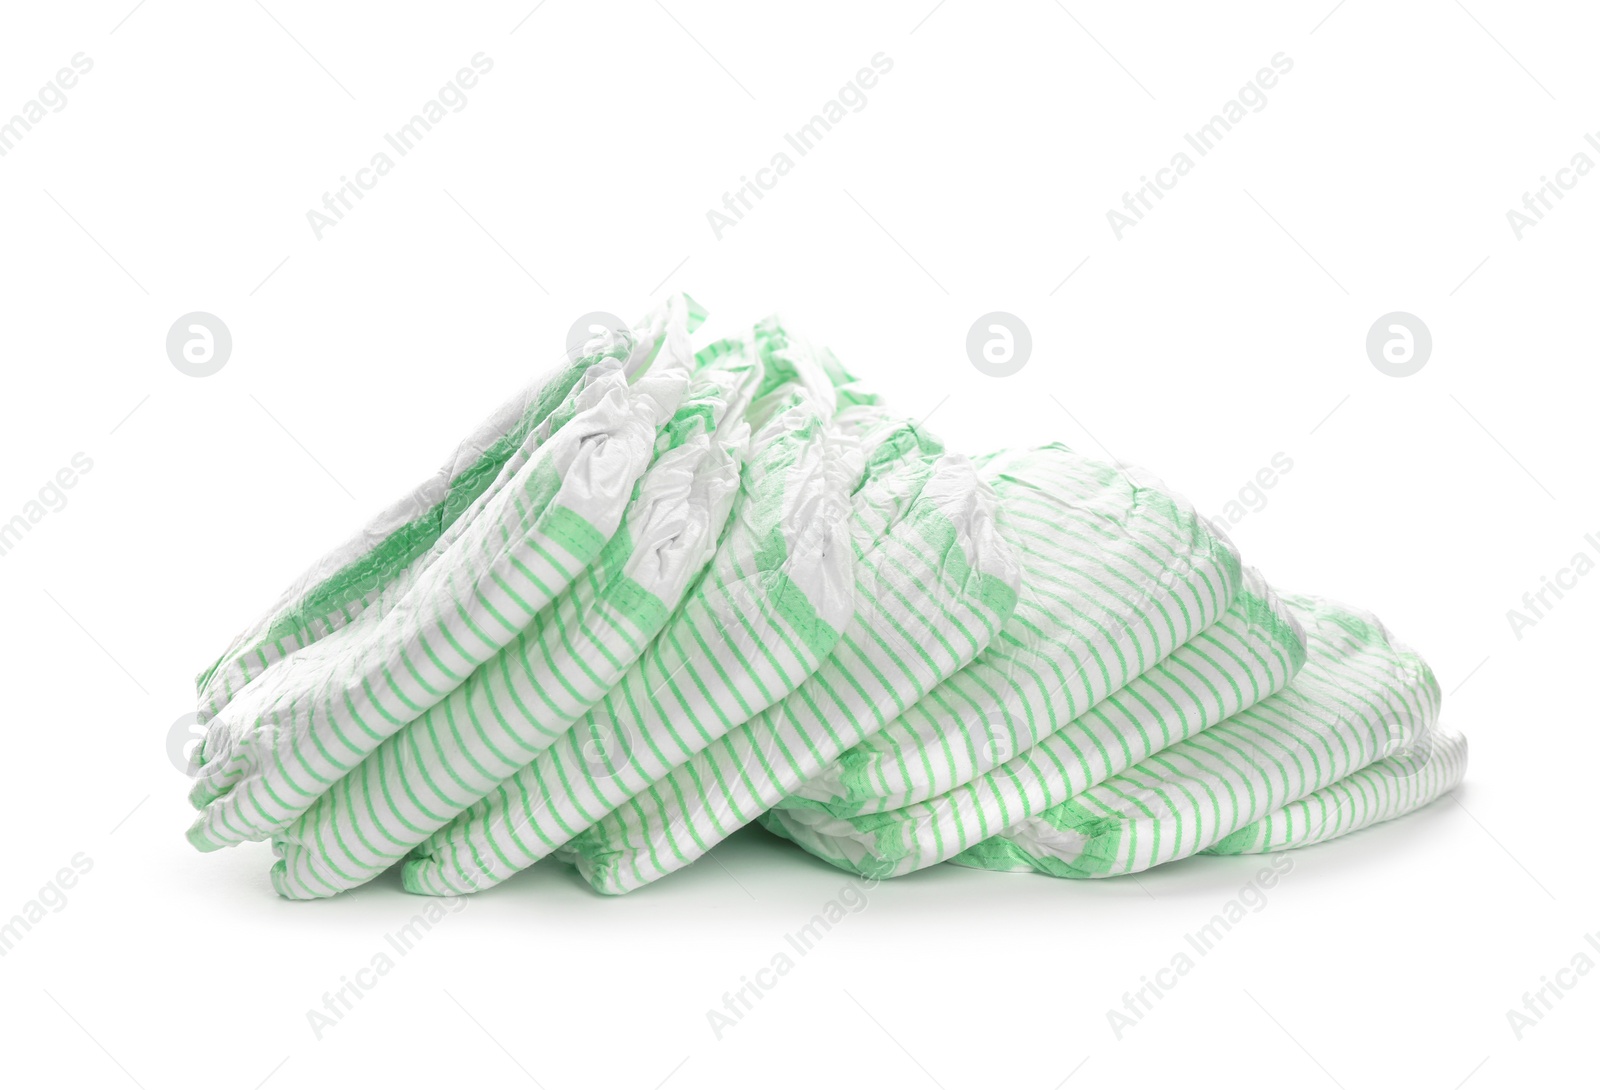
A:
{"x": 1116, "y": 574}
{"x": 1360, "y": 696}
{"x": 663, "y": 593}
{"x": 1385, "y": 789}
{"x": 934, "y": 585}
{"x": 310, "y": 717}
{"x": 760, "y": 621}
{"x": 366, "y": 572}
{"x": 1249, "y": 653}
{"x": 513, "y": 706}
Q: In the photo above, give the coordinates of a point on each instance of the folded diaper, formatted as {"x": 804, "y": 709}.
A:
{"x": 934, "y": 584}
{"x": 1250, "y": 653}
{"x": 660, "y": 594}
{"x": 762, "y": 619}
{"x": 1116, "y": 574}
{"x": 411, "y": 532}
{"x": 513, "y": 706}
{"x": 313, "y": 715}
{"x": 1383, "y": 790}
{"x": 1359, "y": 696}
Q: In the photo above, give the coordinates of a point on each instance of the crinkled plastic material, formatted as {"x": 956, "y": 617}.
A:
{"x": 768, "y": 611}
{"x": 934, "y": 584}
{"x": 513, "y": 706}
{"x": 1116, "y": 575}
{"x": 283, "y": 740}
{"x": 410, "y": 533}
{"x": 661, "y": 594}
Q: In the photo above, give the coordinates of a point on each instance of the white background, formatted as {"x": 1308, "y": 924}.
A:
{"x": 1227, "y": 327}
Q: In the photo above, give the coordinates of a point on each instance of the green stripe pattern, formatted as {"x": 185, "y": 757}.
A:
{"x": 1387, "y": 788}
{"x": 1250, "y": 653}
{"x": 289, "y": 736}
{"x": 1116, "y": 575}
{"x": 513, "y": 706}
{"x": 1360, "y": 696}
{"x": 770, "y": 608}
{"x": 661, "y": 594}
{"x": 370, "y": 569}
{"x": 934, "y": 585}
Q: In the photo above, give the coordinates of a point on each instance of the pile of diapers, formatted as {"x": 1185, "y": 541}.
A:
{"x": 664, "y": 593}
